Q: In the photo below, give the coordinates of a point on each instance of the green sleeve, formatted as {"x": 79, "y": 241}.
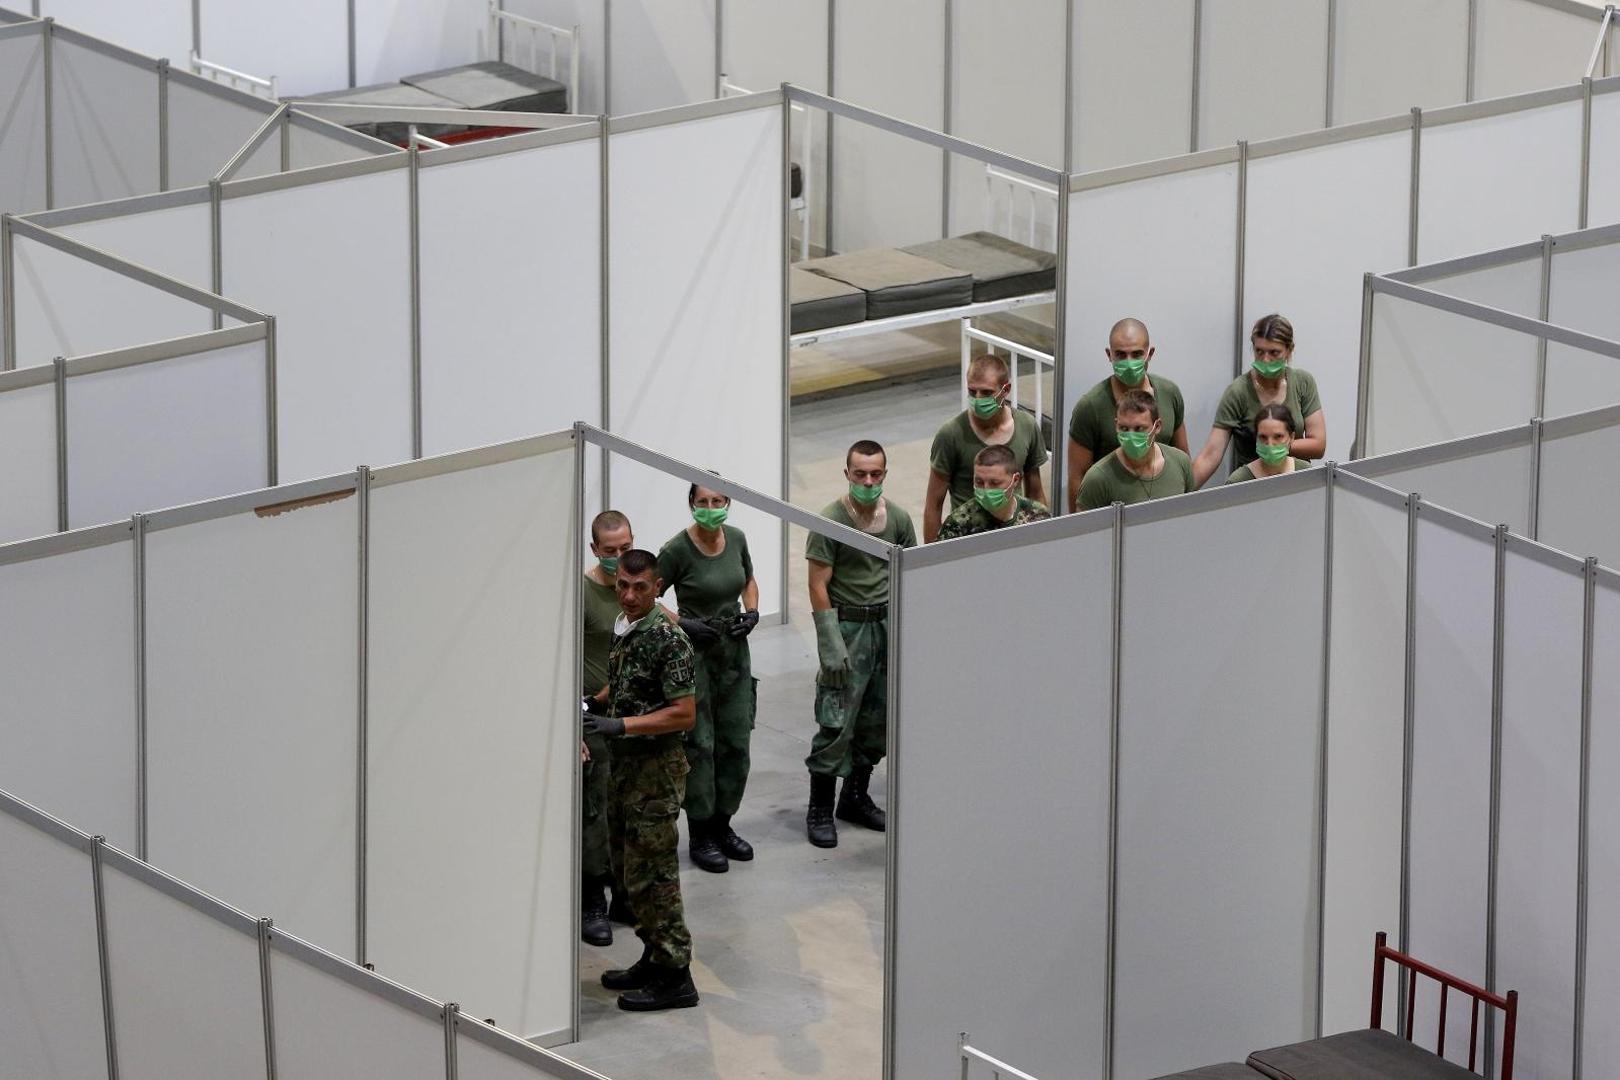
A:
{"x": 748, "y": 563}
{"x": 907, "y": 536}
{"x": 1240, "y": 474}
{"x": 1083, "y": 427}
{"x": 951, "y": 528}
{"x": 819, "y": 549}
{"x": 1037, "y": 447}
{"x": 1229, "y": 413}
{"x": 1310, "y": 401}
{"x": 1180, "y": 407}
{"x": 671, "y": 566}
{"x": 680, "y": 670}
{"x": 1184, "y": 466}
{"x": 942, "y": 455}
{"x": 1094, "y": 489}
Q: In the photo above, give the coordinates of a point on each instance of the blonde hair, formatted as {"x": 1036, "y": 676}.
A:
{"x": 1274, "y": 327}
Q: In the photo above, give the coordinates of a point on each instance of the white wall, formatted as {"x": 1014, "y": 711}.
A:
{"x": 1132, "y": 82}
{"x": 106, "y": 125}
{"x": 304, "y": 44}
{"x": 1527, "y": 46}
{"x": 396, "y": 38}
{"x": 22, "y": 99}
{"x": 28, "y": 446}
{"x": 663, "y": 54}
{"x": 1263, "y": 69}
{"x": 154, "y": 27}
{"x": 1394, "y": 54}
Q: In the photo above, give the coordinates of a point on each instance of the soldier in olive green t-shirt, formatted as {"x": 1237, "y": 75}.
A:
{"x": 1091, "y": 424}
{"x": 989, "y": 421}
{"x": 1271, "y": 380}
{"x": 1142, "y": 468}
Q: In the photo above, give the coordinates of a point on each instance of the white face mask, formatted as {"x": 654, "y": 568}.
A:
{"x": 622, "y": 625}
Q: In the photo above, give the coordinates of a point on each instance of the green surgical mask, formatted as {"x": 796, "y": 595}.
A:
{"x": 1136, "y": 444}
{"x": 864, "y": 495}
{"x": 1272, "y": 455}
{"x": 609, "y": 564}
{"x": 992, "y": 498}
{"x": 709, "y": 517}
{"x": 1130, "y": 372}
{"x": 985, "y": 407}
{"x": 1270, "y": 369}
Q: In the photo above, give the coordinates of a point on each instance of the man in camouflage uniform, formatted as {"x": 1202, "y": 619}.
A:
{"x": 611, "y": 537}
{"x": 996, "y": 503}
{"x": 645, "y": 708}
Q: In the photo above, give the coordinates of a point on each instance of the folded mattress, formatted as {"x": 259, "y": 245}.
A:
{"x": 493, "y": 84}
{"x": 399, "y": 96}
{"x": 1001, "y": 268}
{"x": 896, "y": 282}
{"x": 819, "y": 302}
{"x": 1230, "y": 1070}
{"x": 1368, "y": 1054}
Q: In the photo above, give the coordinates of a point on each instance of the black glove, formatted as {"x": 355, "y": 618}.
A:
{"x": 744, "y": 624}
{"x": 591, "y": 705}
{"x": 609, "y": 726}
{"x": 701, "y": 633}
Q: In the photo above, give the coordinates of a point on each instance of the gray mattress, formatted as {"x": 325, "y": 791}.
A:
{"x": 399, "y": 96}
{"x": 1230, "y": 1070}
{"x": 1369, "y": 1054}
{"x": 820, "y": 302}
{"x": 1000, "y": 267}
{"x": 493, "y": 84}
{"x": 896, "y": 282}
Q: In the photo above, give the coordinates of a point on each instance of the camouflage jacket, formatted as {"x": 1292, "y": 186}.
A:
{"x": 970, "y": 518}
{"x": 650, "y": 667}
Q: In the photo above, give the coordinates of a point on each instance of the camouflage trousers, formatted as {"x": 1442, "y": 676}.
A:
{"x": 852, "y": 720}
{"x": 648, "y": 785}
{"x": 717, "y": 745}
{"x": 594, "y": 856}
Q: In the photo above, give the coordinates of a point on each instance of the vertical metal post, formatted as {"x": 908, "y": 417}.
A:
{"x": 272, "y": 415}
{"x": 1414, "y": 504}
{"x": 47, "y": 51}
{"x": 267, "y": 997}
{"x": 1197, "y": 70}
{"x": 1473, "y": 48}
{"x": 1583, "y": 833}
{"x": 604, "y": 305}
{"x": 948, "y": 118}
{"x": 1416, "y": 190}
{"x": 1364, "y": 373}
{"x": 8, "y": 295}
{"x": 196, "y": 26}
{"x": 1069, "y": 110}
{"x": 452, "y": 1017}
{"x": 362, "y": 491}
{"x": 138, "y": 546}
{"x": 607, "y": 57}
{"x": 415, "y": 228}
{"x": 1332, "y": 60}
{"x": 97, "y": 843}
{"x": 1116, "y": 647}
{"x": 1586, "y": 152}
{"x": 832, "y": 91}
{"x": 1323, "y": 730}
{"x": 891, "y": 849}
{"x": 1545, "y": 311}
{"x": 1242, "y": 253}
{"x": 59, "y": 367}
{"x": 1535, "y": 478}
{"x": 163, "y": 124}
{"x": 286, "y": 141}
{"x": 719, "y": 46}
{"x": 787, "y": 330}
{"x": 353, "y": 81}
{"x": 216, "y": 196}
{"x": 1058, "y": 498}
{"x": 1493, "y": 859}
{"x": 961, "y": 1052}
{"x": 576, "y": 804}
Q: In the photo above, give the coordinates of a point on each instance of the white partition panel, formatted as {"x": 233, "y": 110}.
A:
{"x": 516, "y": 236}
{"x": 208, "y": 126}
{"x": 475, "y": 1061}
{"x": 663, "y": 54}
{"x": 185, "y": 988}
{"x": 67, "y": 662}
{"x": 1235, "y": 100}
{"x": 332, "y": 262}
{"x": 1480, "y": 190}
{"x": 1122, "y": 237}
{"x": 1490, "y": 482}
{"x": 1578, "y": 380}
{"x": 887, "y": 189}
{"x": 699, "y": 203}
{"x": 153, "y": 27}
{"x": 1438, "y": 376}
{"x": 1584, "y": 283}
{"x": 397, "y": 38}
{"x": 175, "y": 241}
{"x": 1601, "y": 1037}
{"x": 1451, "y": 758}
{"x": 50, "y": 975}
{"x": 69, "y": 307}
{"x": 328, "y": 1027}
{"x": 951, "y": 977}
{"x": 589, "y": 18}
{"x": 1527, "y": 45}
{"x": 1393, "y": 54}
{"x": 28, "y": 448}
{"x": 303, "y": 44}
{"x": 1514, "y": 286}
{"x": 106, "y": 125}
{"x": 1603, "y": 205}
{"x": 251, "y": 629}
{"x": 1218, "y": 788}
{"x": 1014, "y": 105}
{"x": 316, "y": 142}
{"x": 1573, "y": 515}
{"x": 22, "y": 123}
{"x": 1366, "y": 694}
{"x": 474, "y": 738}
{"x": 1317, "y": 221}
{"x": 1132, "y": 82}
{"x": 1540, "y": 804}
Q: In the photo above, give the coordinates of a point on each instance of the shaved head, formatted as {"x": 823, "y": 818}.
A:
{"x": 1129, "y": 328}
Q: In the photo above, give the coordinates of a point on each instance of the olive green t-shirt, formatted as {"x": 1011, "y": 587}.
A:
{"x": 1109, "y": 481}
{"x": 1241, "y": 401}
{"x": 956, "y": 443}
{"x": 601, "y": 606}
{"x": 859, "y": 579}
{"x": 1092, "y": 424}
{"x": 1247, "y": 472}
{"x": 706, "y": 586}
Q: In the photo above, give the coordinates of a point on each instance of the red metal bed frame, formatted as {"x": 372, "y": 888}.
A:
{"x": 1508, "y": 1003}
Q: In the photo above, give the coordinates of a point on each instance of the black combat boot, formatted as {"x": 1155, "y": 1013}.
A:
{"x": 634, "y": 977}
{"x": 702, "y": 847}
{"x": 668, "y": 988}
{"x": 619, "y": 908}
{"x": 818, "y": 823}
{"x": 734, "y": 846}
{"x": 594, "y": 928}
{"x": 856, "y": 806}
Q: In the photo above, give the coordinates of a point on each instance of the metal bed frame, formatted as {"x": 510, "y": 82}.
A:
{"x": 558, "y": 40}
{"x": 1508, "y": 1003}
{"x": 236, "y": 80}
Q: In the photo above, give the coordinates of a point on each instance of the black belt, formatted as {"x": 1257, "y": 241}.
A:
{"x": 863, "y": 613}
